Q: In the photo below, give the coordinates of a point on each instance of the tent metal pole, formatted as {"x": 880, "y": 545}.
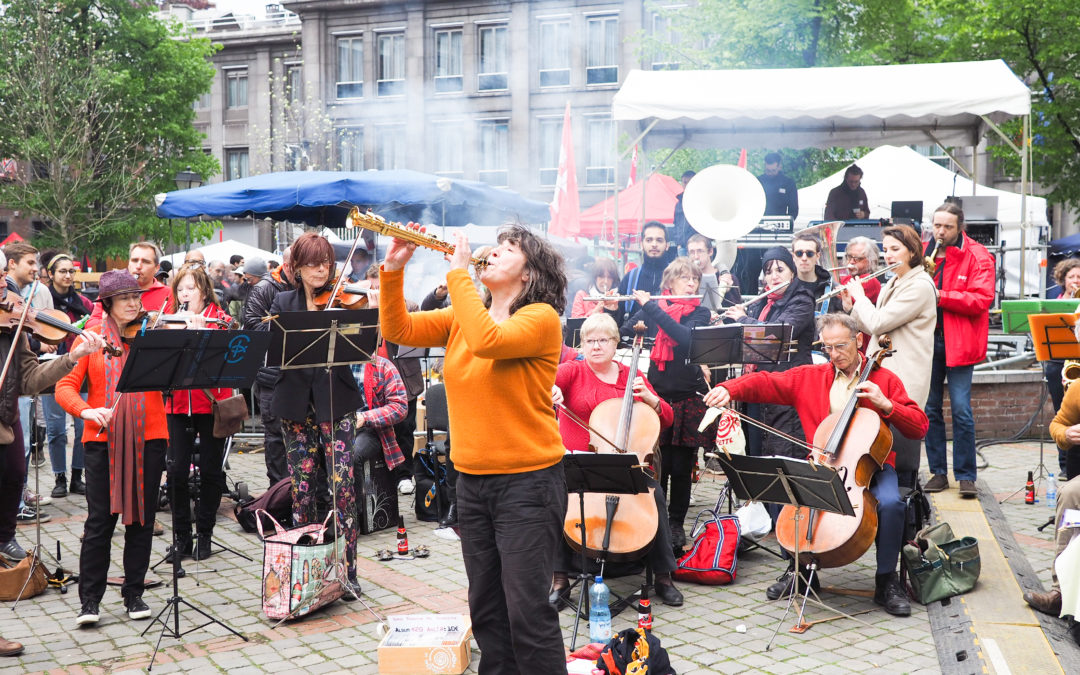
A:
{"x": 618, "y": 158}
{"x": 963, "y": 169}
{"x": 637, "y": 140}
{"x": 1024, "y": 187}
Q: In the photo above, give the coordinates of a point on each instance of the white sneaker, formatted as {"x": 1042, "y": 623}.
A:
{"x": 406, "y": 486}
{"x": 36, "y": 500}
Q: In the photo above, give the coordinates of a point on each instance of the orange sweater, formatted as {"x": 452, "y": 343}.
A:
{"x": 67, "y": 395}
{"x": 498, "y": 375}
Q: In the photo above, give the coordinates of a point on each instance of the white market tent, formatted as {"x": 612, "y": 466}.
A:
{"x": 951, "y": 104}
{"x": 900, "y": 174}
{"x": 223, "y": 250}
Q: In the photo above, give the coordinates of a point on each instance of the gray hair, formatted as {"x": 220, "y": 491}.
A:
{"x": 837, "y": 319}
{"x": 599, "y": 323}
{"x": 869, "y": 249}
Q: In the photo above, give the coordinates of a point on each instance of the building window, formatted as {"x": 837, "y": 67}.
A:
{"x": 391, "y": 64}
{"x": 236, "y": 163}
{"x": 390, "y": 147}
{"x": 294, "y": 157}
{"x": 350, "y": 148}
{"x": 294, "y": 84}
{"x": 4, "y": 228}
{"x": 663, "y": 33}
{"x": 203, "y": 102}
{"x": 448, "y": 71}
{"x": 236, "y": 89}
{"x": 550, "y": 144}
{"x": 602, "y": 58}
{"x": 495, "y": 152}
{"x": 554, "y": 53}
{"x": 350, "y": 67}
{"x": 494, "y": 58}
{"x": 449, "y": 147}
{"x": 600, "y": 152}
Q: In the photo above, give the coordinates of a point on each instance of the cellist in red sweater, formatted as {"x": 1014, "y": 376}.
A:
{"x": 815, "y": 391}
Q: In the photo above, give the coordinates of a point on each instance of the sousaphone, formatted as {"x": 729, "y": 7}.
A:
{"x": 724, "y": 202}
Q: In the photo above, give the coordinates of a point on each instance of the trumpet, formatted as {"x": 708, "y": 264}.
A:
{"x": 379, "y": 225}
{"x": 838, "y": 291}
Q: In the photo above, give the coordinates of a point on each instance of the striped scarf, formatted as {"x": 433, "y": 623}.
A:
{"x": 127, "y": 437}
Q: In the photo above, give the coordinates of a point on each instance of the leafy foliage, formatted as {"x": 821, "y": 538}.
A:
{"x": 96, "y": 105}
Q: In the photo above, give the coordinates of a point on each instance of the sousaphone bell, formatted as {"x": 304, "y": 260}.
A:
{"x": 724, "y": 202}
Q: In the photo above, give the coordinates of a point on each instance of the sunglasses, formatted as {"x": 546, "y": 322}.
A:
{"x": 804, "y": 254}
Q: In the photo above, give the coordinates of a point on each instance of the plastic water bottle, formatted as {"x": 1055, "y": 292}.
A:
{"x": 599, "y": 612}
{"x": 1051, "y": 491}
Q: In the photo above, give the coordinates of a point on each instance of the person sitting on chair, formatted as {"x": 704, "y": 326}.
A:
{"x": 580, "y": 386}
{"x": 818, "y": 390}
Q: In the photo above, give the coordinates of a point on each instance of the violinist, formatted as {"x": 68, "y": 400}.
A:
{"x": 318, "y": 417}
{"x": 502, "y": 350}
{"x": 190, "y": 414}
{"x": 61, "y": 269}
{"x": 818, "y": 390}
{"x": 125, "y": 436}
{"x": 580, "y": 386}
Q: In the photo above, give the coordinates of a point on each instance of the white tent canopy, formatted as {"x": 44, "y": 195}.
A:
{"x": 901, "y": 174}
{"x": 822, "y": 107}
{"x": 222, "y": 251}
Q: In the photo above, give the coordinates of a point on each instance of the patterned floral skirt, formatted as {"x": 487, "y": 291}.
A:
{"x": 684, "y": 430}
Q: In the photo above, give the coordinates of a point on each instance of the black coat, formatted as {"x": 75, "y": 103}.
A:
{"x": 297, "y": 390}
{"x": 795, "y": 308}
{"x": 679, "y": 380}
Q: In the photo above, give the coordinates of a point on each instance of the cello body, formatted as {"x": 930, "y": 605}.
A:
{"x": 855, "y": 442}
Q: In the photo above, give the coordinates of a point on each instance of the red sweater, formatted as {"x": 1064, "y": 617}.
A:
{"x": 194, "y": 401}
{"x": 806, "y": 388}
{"x": 67, "y": 395}
{"x": 583, "y": 390}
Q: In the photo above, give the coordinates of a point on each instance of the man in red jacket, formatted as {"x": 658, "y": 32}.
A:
{"x": 965, "y": 281}
{"x": 816, "y": 391}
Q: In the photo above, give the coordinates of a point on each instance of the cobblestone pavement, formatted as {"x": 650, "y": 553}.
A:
{"x": 717, "y": 630}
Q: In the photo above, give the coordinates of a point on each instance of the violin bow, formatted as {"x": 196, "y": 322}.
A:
{"x": 764, "y": 427}
{"x": 18, "y": 329}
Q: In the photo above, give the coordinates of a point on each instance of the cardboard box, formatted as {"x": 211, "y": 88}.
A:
{"x": 428, "y": 644}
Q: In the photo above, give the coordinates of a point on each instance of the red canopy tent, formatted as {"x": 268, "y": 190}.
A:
{"x": 14, "y": 236}
{"x": 659, "y": 191}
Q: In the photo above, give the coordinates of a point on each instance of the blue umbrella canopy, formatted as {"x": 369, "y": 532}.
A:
{"x": 325, "y": 197}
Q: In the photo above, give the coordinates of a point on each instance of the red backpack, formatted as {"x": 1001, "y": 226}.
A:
{"x": 713, "y": 556}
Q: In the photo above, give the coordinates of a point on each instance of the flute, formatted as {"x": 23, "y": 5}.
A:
{"x": 838, "y": 291}
{"x": 621, "y": 298}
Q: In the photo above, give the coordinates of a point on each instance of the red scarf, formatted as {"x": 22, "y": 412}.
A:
{"x": 663, "y": 349}
{"x": 127, "y": 437}
{"x": 772, "y": 298}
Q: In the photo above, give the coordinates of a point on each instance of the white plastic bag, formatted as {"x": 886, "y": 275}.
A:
{"x": 754, "y": 520}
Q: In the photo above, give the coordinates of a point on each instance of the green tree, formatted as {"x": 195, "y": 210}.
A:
{"x": 96, "y": 105}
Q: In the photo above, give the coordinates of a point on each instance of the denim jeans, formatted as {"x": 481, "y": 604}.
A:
{"x": 24, "y": 421}
{"x": 56, "y": 430}
{"x": 959, "y": 381}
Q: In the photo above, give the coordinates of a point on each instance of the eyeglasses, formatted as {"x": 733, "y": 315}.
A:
{"x": 687, "y": 278}
{"x": 317, "y": 265}
{"x": 64, "y": 272}
{"x": 829, "y": 349}
{"x": 598, "y": 342}
{"x": 804, "y": 253}
{"x": 855, "y": 258}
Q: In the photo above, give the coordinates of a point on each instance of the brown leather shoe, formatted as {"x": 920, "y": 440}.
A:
{"x": 968, "y": 489}
{"x": 937, "y": 483}
{"x": 10, "y": 647}
{"x": 1047, "y": 603}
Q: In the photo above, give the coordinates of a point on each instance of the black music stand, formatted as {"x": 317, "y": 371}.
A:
{"x": 572, "y": 332}
{"x": 170, "y": 360}
{"x": 324, "y": 340}
{"x": 612, "y": 474}
{"x": 802, "y": 484}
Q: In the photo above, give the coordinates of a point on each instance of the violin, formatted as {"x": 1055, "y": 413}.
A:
{"x": 349, "y": 296}
{"x": 855, "y": 442}
{"x": 635, "y": 427}
{"x": 50, "y": 326}
{"x": 153, "y": 319}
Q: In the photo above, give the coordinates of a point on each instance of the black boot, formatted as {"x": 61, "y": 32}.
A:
{"x": 183, "y": 545}
{"x": 678, "y": 537}
{"x": 202, "y": 547}
{"x": 61, "y": 489}
{"x": 77, "y": 487}
{"x": 890, "y": 593}
{"x": 450, "y": 519}
{"x": 782, "y": 587}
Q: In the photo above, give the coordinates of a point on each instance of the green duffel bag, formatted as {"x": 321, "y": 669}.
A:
{"x": 940, "y": 565}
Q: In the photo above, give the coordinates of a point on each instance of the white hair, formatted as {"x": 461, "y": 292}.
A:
{"x": 869, "y": 249}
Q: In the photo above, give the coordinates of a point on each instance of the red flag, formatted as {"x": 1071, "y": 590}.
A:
{"x": 742, "y": 159}
{"x": 565, "y": 205}
{"x": 633, "y": 168}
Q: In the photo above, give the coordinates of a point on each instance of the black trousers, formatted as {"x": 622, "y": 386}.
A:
{"x": 183, "y": 429}
{"x": 277, "y": 467}
{"x": 676, "y": 472}
{"x": 403, "y": 432}
{"x": 12, "y": 475}
{"x": 100, "y": 523}
{"x": 511, "y": 525}
{"x": 660, "y": 557}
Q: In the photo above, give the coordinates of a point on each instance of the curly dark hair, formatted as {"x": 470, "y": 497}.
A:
{"x": 546, "y": 267}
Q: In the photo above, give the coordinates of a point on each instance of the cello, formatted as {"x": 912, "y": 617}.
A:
{"x": 635, "y": 427}
{"x": 855, "y": 442}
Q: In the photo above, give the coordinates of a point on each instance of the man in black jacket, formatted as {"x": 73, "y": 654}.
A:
{"x": 257, "y": 306}
{"x": 646, "y": 277}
